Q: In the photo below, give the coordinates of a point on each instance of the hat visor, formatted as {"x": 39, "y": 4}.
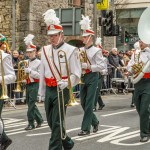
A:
{"x": 51, "y": 32}
{"x": 30, "y": 49}
{"x": 86, "y": 34}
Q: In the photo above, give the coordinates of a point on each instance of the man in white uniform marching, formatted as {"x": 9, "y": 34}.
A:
{"x": 140, "y": 58}
{"x": 33, "y": 71}
{"x": 90, "y": 69}
{"x": 51, "y": 78}
{"x": 9, "y": 77}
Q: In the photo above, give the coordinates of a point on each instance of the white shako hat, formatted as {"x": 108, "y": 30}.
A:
{"x": 52, "y": 22}
{"x": 85, "y": 26}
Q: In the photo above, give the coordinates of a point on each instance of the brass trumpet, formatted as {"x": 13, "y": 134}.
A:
{"x": 21, "y": 75}
{"x": 4, "y": 91}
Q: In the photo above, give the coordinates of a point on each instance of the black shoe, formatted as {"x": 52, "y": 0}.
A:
{"x": 94, "y": 109}
{"x": 39, "y": 124}
{"x": 29, "y": 127}
{"x": 82, "y": 133}
{"x": 132, "y": 105}
{"x": 144, "y": 139}
{"x": 101, "y": 107}
{"x": 95, "y": 128}
{"x": 6, "y": 144}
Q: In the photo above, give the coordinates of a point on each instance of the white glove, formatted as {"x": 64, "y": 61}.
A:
{"x": 27, "y": 70}
{"x": 104, "y": 72}
{"x": 84, "y": 65}
{"x": 62, "y": 84}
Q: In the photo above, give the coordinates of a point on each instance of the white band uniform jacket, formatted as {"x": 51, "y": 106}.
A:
{"x": 34, "y": 65}
{"x": 9, "y": 74}
{"x": 73, "y": 64}
{"x": 96, "y": 59}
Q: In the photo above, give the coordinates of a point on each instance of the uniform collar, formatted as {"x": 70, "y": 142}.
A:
{"x": 32, "y": 59}
{"x": 59, "y": 45}
{"x": 89, "y": 47}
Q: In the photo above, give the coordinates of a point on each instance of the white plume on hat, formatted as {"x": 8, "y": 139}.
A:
{"x": 98, "y": 41}
{"x": 28, "y": 39}
{"x": 137, "y": 45}
{"x": 50, "y": 18}
{"x": 85, "y": 23}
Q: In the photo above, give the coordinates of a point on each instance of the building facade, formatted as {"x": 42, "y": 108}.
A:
{"x": 29, "y": 19}
{"x": 128, "y": 13}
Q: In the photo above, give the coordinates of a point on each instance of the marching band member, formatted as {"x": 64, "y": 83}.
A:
{"x": 142, "y": 88}
{"x": 51, "y": 79}
{"x": 33, "y": 70}
{"x": 98, "y": 97}
{"x": 9, "y": 77}
{"x": 3, "y": 44}
{"x": 90, "y": 77}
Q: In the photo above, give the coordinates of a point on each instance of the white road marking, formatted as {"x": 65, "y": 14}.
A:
{"x": 80, "y": 138}
{"x": 70, "y": 130}
{"x": 118, "y": 141}
{"x": 121, "y": 112}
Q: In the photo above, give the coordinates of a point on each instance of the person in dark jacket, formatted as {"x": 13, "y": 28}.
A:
{"x": 116, "y": 62}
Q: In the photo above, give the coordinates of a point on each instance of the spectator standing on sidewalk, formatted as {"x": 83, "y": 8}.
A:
{"x": 115, "y": 61}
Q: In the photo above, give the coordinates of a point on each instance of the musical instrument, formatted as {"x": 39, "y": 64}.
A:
{"x": 72, "y": 102}
{"x": 144, "y": 35}
{"x": 4, "y": 91}
{"x": 83, "y": 59}
{"x": 21, "y": 75}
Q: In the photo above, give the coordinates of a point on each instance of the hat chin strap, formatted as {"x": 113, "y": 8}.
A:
{"x": 58, "y": 40}
{"x": 88, "y": 39}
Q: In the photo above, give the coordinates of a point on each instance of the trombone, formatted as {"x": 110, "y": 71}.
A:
{"x": 72, "y": 102}
{"x": 62, "y": 54}
{"x": 4, "y": 91}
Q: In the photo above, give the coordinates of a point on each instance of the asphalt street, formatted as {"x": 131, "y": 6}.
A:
{"x": 118, "y": 130}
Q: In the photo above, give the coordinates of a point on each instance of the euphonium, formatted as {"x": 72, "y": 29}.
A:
{"x": 21, "y": 75}
{"x": 144, "y": 35}
{"x": 4, "y": 91}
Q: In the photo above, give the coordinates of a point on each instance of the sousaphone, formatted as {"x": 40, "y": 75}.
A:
{"x": 144, "y": 35}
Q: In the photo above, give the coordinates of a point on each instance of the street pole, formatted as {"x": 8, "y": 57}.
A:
{"x": 13, "y": 25}
{"x": 95, "y": 19}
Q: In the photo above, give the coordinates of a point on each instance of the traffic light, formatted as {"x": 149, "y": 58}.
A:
{"x": 125, "y": 36}
{"x": 116, "y": 30}
{"x": 107, "y": 23}
{"x": 122, "y": 37}
{"x": 126, "y": 40}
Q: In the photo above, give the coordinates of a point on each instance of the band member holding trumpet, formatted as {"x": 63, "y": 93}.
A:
{"x": 32, "y": 70}
{"x": 90, "y": 69}
{"x": 141, "y": 78}
{"x": 53, "y": 79}
{"x": 7, "y": 76}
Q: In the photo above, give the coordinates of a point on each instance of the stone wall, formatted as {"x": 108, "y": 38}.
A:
{"x": 29, "y": 19}
{"x": 37, "y": 25}
{"x": 5, "y": 18}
